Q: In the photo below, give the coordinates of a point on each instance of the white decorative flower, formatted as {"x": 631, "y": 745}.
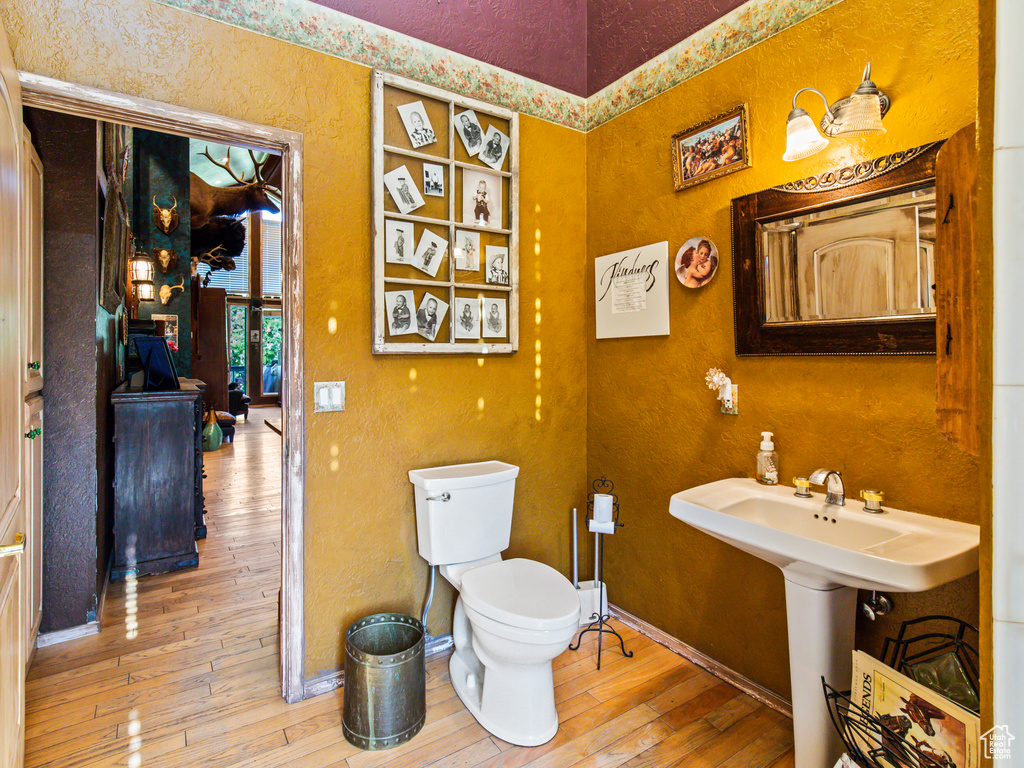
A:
{"x": 715, "y": 379}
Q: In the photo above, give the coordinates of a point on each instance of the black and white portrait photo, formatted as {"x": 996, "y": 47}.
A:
{"x": 497, "y": 265}
{"x": 402, "y": 188}
{"x": 430, "y": 315}
{"x": 494, "y": 314}
{"x": 481, "y": 198}
{"x": 467, "y": 318}
{"x": 433, "y": 179}
{"x": 430, "y": 252}
{"x": 398, "y": 305}
{"x": 495, "y": 147}
{"x": 398, "y": 242}
{"x": 467, "y": 250}
{"x": 417, "y": 124}
{"x": 469, "y": 130}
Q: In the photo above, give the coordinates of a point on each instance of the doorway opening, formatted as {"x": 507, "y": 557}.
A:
{"x": 272, "y": 362}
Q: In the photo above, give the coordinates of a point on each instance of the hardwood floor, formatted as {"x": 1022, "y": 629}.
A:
{"x": 186, "y": 673}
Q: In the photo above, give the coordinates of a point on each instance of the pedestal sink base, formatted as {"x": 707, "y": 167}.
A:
{"x": 821, "y": 626}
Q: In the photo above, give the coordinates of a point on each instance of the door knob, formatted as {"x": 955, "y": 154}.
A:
{"x": 17, "y": 548}
{"x": 32, "y": 434}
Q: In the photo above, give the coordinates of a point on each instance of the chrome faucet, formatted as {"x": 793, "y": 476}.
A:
{"x": 835, "y": 492}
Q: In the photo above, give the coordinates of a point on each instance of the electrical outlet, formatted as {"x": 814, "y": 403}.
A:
{"x": 734, "y": 409}
{"x": 328, "y": 396}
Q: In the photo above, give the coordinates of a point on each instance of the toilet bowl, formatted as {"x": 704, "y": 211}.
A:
{"x": 512, "y": 618}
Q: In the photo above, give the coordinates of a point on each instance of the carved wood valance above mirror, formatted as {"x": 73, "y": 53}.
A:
{"x": 841, "y": 263}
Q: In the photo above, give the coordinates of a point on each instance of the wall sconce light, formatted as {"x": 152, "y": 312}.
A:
{"x": 859, "y": 115}
{"x": 145, "y": 291}
{"x": 142, "y": 270}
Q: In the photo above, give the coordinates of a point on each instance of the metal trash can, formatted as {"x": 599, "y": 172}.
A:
{"x": 385, "y": 701}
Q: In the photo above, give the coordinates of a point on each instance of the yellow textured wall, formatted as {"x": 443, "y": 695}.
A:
{"x": 360, "y": 527}
{"x": 655, "y": 428}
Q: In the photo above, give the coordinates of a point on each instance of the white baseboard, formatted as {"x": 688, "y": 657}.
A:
{"x": 691, "y": 654}
{"x": 64, "y": 635}
{"x": 332, "y": 681}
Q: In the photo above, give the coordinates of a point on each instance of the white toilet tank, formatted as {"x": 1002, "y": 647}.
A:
{"x": 476, "y": 520}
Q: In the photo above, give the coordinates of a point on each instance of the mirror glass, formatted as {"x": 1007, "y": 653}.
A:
{"x": 871, "y": 259}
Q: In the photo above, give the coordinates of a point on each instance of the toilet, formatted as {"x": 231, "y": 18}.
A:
{"x": 512, "y": 618}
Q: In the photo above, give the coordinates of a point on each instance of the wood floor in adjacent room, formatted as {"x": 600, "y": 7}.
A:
{"x": 186, "y": 673}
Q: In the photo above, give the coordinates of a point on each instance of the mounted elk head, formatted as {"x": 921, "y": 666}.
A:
{"x": 167, "y": 291}
{"x": 166, "y": 219}
{"x": 207, "y": 200}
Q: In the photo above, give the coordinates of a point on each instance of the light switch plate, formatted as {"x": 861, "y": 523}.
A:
{"x": 328, "y": 396}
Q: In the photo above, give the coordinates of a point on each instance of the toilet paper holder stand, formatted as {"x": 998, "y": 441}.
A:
{"x": 600, "y": 501}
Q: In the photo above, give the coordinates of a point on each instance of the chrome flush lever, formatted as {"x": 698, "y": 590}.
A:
{"x": 443, "y": 497}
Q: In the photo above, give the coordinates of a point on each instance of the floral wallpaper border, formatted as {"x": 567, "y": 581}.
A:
{"x": 337, "y": 34}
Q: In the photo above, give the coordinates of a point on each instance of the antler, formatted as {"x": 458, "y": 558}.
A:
{"x": 226, "y": 165}
{"x": 258, "y": 167}
{"x": 173, "y": 207}
{"x": 211, "y": 255}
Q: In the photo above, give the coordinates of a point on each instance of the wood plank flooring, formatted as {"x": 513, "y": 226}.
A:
{"x": 186, "y": 673}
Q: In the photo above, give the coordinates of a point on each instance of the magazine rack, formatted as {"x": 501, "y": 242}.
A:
{"x": 870, "y": 743}
{"x": 930, "y": 638}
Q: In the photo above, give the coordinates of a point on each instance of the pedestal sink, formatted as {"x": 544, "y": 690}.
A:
{"x": 826, "y": 553}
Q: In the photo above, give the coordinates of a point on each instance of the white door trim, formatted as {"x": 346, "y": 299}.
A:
{"x": 99, "y": 104}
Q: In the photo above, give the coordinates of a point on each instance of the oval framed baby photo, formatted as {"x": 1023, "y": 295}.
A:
{"x": 696, "y": 262}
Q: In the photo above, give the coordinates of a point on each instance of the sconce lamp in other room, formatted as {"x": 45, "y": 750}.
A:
{"x": 142, "y": 270}
{"x": 859, "y": 115}
{"x": 145, "y": 291}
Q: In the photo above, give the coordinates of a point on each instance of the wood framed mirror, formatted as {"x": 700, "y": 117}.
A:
{"x": 841, "y": 263}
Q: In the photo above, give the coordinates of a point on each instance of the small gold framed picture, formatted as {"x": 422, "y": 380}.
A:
{"x": 714, "y": 148}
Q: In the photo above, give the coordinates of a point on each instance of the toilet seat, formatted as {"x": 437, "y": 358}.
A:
{"x": 521, "y": 593}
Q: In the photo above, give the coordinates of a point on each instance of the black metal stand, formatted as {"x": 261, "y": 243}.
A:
{"x": 601, "y": 624}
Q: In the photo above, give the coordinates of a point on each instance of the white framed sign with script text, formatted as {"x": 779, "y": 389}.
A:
{"x": 632, "y": 292}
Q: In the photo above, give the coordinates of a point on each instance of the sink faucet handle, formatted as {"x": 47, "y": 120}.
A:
{"x": 803, "y": 487}
{"x": 872, "y": 500}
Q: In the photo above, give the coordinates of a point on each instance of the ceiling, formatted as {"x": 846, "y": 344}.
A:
{"x": 579, "y": 46}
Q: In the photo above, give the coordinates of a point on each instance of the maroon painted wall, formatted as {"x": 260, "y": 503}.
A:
{"x": 543, "y": 40}
{"x": 623, "y": 35}
{"x": 579, "y": 46}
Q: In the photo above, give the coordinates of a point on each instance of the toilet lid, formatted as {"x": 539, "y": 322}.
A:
{"x": 521, "y": 593}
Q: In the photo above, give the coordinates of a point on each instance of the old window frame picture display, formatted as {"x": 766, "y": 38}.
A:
{"x": 442, "y": 183}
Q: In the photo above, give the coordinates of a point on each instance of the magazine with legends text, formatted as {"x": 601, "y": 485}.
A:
{"x": 939, "y": 729}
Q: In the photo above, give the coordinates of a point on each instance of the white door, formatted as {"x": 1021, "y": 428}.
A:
{"x": 12, "y": 616}
{"x": 32, "y": 267}
{"x": 32, "y": 486}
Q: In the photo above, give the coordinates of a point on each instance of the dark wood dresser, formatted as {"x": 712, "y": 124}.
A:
{"x": 157, "y": 480}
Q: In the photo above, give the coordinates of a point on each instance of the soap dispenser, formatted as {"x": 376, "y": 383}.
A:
{"x": 767, "y": 461}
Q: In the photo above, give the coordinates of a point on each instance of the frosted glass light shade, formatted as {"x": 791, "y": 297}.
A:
{"x": 862, "y": 116}
{"x": 802, "y": 138}
{"x": 142, "y": 269}
{"x": 145, "y": 291}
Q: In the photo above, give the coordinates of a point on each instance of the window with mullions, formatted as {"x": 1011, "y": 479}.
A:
{"x": 271, "y": 260}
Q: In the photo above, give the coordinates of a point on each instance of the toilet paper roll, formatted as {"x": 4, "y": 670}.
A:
{"x": 602, "y": 507}
{"x": 596, "y": 526}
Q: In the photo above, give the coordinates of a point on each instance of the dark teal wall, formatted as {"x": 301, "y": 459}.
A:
{"x": 162, "y": 169}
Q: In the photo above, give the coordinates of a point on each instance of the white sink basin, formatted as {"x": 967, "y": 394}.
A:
{"x": 823, "y": 545}
{"x": 825, "y": 553}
